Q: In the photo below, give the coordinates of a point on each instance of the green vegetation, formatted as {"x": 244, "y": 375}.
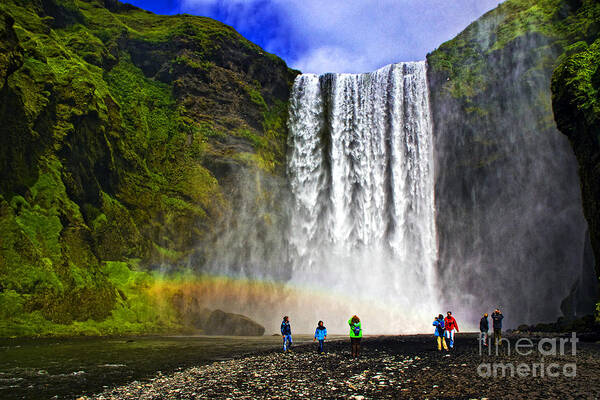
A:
{"x": 114, "y": 123}
{"x": 120, "y": 127}
{"x": 577, "y": 81}
{"x": 576, "y": 103}
{"x": 498, "y": 70}
{"x": 558, "y": 24}
{"x": 137, "y": 309}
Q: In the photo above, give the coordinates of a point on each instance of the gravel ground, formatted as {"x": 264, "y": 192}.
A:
{"x": 389, "y": 367}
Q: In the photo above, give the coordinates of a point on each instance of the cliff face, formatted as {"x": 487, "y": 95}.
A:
{"x": 576, "y": 104}
{"x": 129, "y": 140}
{"x": 511, "y": 230}
{"x": 123, "y": 134}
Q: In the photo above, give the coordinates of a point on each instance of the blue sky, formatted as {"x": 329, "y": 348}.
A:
{"x": 337, "y": 35}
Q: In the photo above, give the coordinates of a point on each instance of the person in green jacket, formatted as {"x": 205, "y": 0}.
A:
{"x": 355, "y": 335}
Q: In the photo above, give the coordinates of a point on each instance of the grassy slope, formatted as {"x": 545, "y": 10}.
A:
{"x": 108, "y": 155}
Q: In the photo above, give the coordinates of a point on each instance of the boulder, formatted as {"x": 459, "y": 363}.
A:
{"x": 223, "y": 323}
{"x": 190, "y": 310}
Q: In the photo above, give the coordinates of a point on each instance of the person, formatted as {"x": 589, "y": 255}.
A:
{"x": 355, "y": 334}
{"x": 439, "y": 332}
{"x": 449, "y": 326}
{"x": 484, "y": 327}
{"x": 497, "y": 325}
{"x": 286, "y": 333}
{"x": 320, "y": 335}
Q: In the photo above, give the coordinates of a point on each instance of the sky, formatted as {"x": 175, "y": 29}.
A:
{"x": 321, "y": 36}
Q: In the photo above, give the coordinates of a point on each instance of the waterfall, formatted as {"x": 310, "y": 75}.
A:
{"x": 353, "y": 229}
{"x": 360, "y": 167}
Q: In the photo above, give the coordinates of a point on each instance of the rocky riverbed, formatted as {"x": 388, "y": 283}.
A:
{"x": 389, "y": 367}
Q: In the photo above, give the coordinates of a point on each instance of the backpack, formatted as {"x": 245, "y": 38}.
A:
{"x": 440, "y": 327}
{"x": 356, "y": 330}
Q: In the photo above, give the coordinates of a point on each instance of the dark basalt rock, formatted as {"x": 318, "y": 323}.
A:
{"x": 586, "y": 328}
{"x": 507, "y": 188}
{"x": 403, "y": 367}
{"x": 223, "y": 323}
{"x": 576, "y": 104}
{"x": 191, "y": 311}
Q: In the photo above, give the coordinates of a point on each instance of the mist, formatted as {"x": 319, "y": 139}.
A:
{"x": 352, "y": 228}
{"x": 403, "y": 199}
{"x": 396, "y": 209}
{"x": 511, "y": 228}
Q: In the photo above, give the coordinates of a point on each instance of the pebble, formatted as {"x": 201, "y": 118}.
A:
{"x": 383, "y": 374}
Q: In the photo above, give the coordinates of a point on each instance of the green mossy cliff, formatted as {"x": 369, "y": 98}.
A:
{"x": 125, "y": 136}
{"x": 507, "y": 192}
{"x": 576, "y": 104}
{"x": 121, "y": 132}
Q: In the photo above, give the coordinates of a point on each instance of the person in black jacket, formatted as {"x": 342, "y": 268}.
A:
{"x": 497, "y": 325}
{"x": 484, "y": 327}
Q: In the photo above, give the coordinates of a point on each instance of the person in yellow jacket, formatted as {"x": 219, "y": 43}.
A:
{"x": 355, "y": 335}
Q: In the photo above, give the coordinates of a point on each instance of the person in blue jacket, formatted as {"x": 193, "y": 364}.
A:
{"x": 320, "y": 335}
{"x": 286, "y": 333}
{"x": 439, "y": 332}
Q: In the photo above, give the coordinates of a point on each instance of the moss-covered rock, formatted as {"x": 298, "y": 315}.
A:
{"x": 507, "y": 190}
{"x": 222, "y": 323}
{"x": 576, "y": 104}
{"x": 121, "y": 131}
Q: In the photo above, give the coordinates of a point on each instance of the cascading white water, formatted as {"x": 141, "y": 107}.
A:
{"x": 363, "y": 217}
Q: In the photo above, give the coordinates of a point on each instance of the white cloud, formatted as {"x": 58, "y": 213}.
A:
{"x": 332, "y": 59}
{"x": 347, "y": 35}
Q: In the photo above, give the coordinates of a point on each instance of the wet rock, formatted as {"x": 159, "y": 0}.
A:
{"x": 222, "y": 323}
{"x": 375, "y": 375}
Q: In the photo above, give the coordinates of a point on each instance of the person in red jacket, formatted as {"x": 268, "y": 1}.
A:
{"x": 451, "y": 325}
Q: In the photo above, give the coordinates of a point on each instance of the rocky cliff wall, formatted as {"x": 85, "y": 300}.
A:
{"x": 511, "y": 230}
{"x": 123, "y": 135}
